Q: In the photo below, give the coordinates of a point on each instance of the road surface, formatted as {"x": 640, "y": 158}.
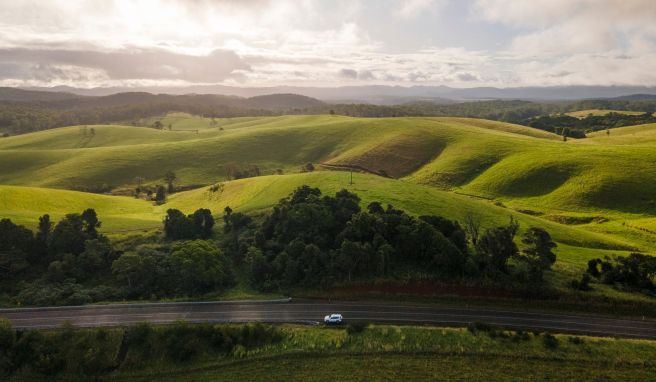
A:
{"x": 310, "y": 311}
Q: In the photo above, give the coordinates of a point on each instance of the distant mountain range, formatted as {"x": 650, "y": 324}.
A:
{"x": 70, "y": 100}
{"x": 383, "y": 94}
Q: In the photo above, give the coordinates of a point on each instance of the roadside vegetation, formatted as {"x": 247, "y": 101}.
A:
{"x": 293, "y": 353}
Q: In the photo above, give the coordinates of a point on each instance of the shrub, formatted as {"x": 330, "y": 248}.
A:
{"x": 583, "y": 284}
{"x": 138, "y": 336}
{"x": 520, "y": 335}
{"x": 181, "y": 342}
{"x": 550, "y": 341}
{"x": 475, "y": 327}
{"x": 576, "y": 340}
{"x": 356, "y": 327}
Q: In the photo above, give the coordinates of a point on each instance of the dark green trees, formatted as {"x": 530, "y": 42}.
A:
{"x": 199, "y": 267}
{"x": 191, "y": 268}
{"x": 198, "y": 225}
{"x": 537, "y": 254}
{"x": 160, "y": 195}
{"x": 496, "y": 246}
{"x": 16, "y": 246}
{"x": 311, "y": 239}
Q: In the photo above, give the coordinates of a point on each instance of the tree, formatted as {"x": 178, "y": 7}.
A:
{"x": 309, "y": 167}
{"x": 170, "y": 177}
{"x": 44, "y": 230}
{"x": 198, "y": 225}
{"x": 42, "y": 240}
{"x": 497, "y": 246}
{"x": 539, "y": 247}
{"x": 158, "y": 125}
{"x": 90, "y": 223}
{"x": 16, "y": 245}
{"x": 203, "y": 222}
{"x": 160, "y": 195}
{"x": 200, "y": 267}
{"x": 472, "y": 227}
{"x": 177, "y": 226}
{"x": 97, "y": 256}
{"x": 68, "y": 235}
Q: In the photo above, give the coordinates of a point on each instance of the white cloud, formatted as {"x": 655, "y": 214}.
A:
{"x": 412, "y": 8}
{"x": 315, "y": 42}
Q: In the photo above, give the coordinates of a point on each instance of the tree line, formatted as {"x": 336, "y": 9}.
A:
{"x": 635, "y": 272}
{"x": 72, "y": 263}
{"x": 24, "y": 117}
{"x": 312, "y": 240}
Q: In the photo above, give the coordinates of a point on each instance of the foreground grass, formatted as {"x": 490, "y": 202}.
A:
{"x": 414, "y": 354}
{"x": 403, "y": 367}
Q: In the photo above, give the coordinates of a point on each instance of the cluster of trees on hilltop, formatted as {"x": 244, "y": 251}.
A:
{"x": 311, "y": 240}
{"x": 577, "y": 127}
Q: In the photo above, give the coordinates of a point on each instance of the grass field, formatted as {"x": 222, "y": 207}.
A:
{"x": 591, "y": 194}
{"x": 24, "y": 205}
{"x": 392, "y": 353}
{"x": 511, "y": 163}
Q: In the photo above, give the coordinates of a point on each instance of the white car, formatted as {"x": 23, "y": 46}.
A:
{"x": 333, "y": 319}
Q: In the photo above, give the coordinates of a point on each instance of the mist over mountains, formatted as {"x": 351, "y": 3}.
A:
{"x": 383, "y": 94}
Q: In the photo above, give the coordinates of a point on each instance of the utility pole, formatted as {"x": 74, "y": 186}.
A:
{"x": 351, "y": 182}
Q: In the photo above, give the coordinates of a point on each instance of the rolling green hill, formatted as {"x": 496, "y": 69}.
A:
{"x": 597, "y": 192}
{"x": 24, "y": 205}
{"x": 480, "y": 157}
{"x": 123, "y": 215}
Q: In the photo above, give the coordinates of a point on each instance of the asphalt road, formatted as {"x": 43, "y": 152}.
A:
{"x": 312, "y": 312}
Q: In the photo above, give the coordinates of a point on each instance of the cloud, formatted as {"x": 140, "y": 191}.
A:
{"x": 126, "y": 64}
{"x": 315, "y": 42}
{"x": 467, "y": 77}
{"x": 413, "y": 8}
{"x": 348, "y": 73}
{"x": 553, "y": 27}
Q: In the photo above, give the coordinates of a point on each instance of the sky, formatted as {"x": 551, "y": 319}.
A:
{"x": 457, "y": 43}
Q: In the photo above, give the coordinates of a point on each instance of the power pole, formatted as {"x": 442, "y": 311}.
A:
{"x": 351, "y": 182}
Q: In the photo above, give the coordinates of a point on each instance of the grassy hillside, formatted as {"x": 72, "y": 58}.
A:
{"x": 485, "y": 158}
{"x": 122, "y": 214}
{"x": 597, "y": 192}
{"x": 629, "y": 135}
{"x": 24, "y": 205}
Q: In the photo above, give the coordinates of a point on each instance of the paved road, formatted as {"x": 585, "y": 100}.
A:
{"x": 306, "y": 311}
